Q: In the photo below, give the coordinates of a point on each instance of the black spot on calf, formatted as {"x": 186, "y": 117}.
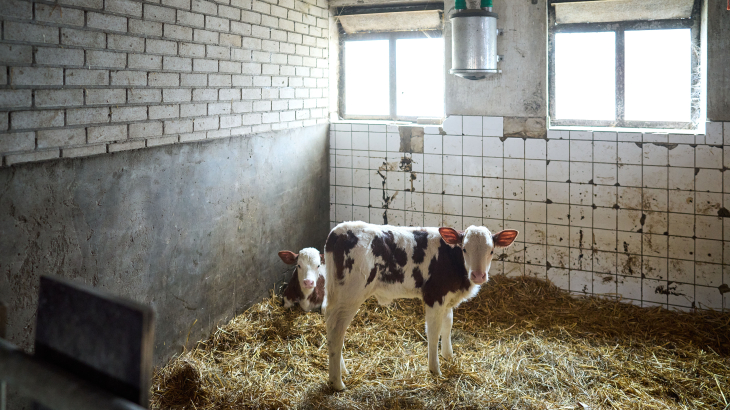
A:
{"x": 447, "y": 274}
{"x": 340, "y": 246}
{"x": 394, "y": 258}
{"x": 419, "y": 251}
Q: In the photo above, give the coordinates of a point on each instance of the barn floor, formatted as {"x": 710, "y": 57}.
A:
{"x": 521, "y": 343}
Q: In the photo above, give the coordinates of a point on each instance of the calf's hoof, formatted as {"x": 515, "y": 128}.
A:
{"x": 447, "y": 355}
{"x": 436, "y": 372}
{"x": 338, "y": 385}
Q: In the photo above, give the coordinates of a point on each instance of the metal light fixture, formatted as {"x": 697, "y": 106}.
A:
{"x": 474, "y": 41}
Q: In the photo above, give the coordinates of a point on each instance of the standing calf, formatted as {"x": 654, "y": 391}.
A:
{"x": 306, "y": 286}
{"x": 441, "y": 266}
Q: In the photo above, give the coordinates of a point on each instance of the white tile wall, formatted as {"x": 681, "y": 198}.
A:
{"x": 640, "y": 217}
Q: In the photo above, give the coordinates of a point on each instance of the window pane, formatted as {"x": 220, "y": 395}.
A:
{"x": 420, "y": 77}
{"x": 658, "y": 75}
{"x": 366, "y": 78}
{"x": 585, "y": 76}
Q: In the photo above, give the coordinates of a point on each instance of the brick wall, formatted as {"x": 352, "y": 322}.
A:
{"x": 85, "y": 77}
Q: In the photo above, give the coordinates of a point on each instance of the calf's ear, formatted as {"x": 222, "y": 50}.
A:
{"x": 289, "y": 257}
{"x": 321, "y": 258}
{"x": 504, "y": 238}
{"x": 451, "y": 236}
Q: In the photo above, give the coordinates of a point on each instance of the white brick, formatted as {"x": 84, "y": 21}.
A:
{"x": 146, "y": 28}
{"x": 16, "y": 53}
{"x": 142, "y": 96}
{"x": 125, "y": 114}
{"x": 190, "y": 19}
{"x": 54, "y": 98}
{"x": 163, "y": 80}
{"x": 101, "y": 96}
{"x": 145, "y": 129}
{"x": 145, "y": 61}
{"x": 157, "y": 13}
{"x": 227, "y": 94}
{"x": 106, "y": 22}
{"x": 206, "y": 123}
{"x": 4, "y": 121}
{"x": 219, "y": 108}
{"x": 219, "y": 80}
{"x": 16, "y": 9}
{"x": 176, "y": 95}
{"x": 59, "y": 15}
{"x": 127, "y": 145}
{"x": 216, "y": 24}
{"x": 18, "y": 141}
{"x": 177, "y": 32}
{"x": 178, "y": 126}
{"x": 206, "y": 7}
{"x": 193, "y": 80}
{"x": 106, "y": 59}
{"x": 129, "y": 78}
{"x": 192, "y": 50}
{"x": 205, "y": 36}
{"x": 83, "y": 151}
{"x": 34, "y": 156}
{"x": 125, "y": 43}
{"x": 178, "y": 4}
{"x": 36, "y": 76}
{"x": 30, "y": 33}
{"x": 15, "y": 98}
{"x": 87, "y": 77}
{"x": 107, "y": 133}
{"x": 161, "y": 47}
{"x": 82, "y": 38}
{"x": 130, "y": 8}
{"x": 193, "y": 110}
{"x": 154, "y": 142}
{"x": 193, "y": 136}
{"x": 157, "y": 112}
{"x": 36, "y": 119}
{"x": 231, "y": 40}
{"x": 243, "y": 29}
{"x": 205, "y": 65}
{"x": 61, "y": 138}
{"x": 87, "y": 116}
{"x": 205, "y": 94}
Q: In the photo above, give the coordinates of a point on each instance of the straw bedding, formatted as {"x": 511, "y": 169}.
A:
{"x": 521, "y": 343}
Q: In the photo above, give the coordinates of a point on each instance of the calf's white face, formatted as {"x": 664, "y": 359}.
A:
{"x": 308, "y": 262}
{"x": 477, "y": 245}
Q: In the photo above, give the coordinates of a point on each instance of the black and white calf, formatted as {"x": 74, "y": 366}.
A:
{"x": 441, "y": 266}
{"x": 306, "y": 287}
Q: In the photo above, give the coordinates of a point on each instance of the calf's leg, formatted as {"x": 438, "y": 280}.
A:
{"x": 434, "y": 320}
{"x": 338, "y": 319}
{"x": 446, "y": 350}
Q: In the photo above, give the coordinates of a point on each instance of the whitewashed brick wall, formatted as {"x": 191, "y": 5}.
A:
{"x": 85, "y": 77}
{"x": 641, "y": 217}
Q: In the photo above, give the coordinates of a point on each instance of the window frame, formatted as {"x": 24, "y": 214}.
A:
{"x": 391, "y": 36}
{"x": 693, "y": 23}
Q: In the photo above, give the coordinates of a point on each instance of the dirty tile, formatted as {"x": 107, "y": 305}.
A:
{"x": 581, "y": 135}
{"x": 629, "y": 220}
{"x": 360, "y": 213}
{"x": 558, "y": 171}
{"x": 492, "y": 188}
{"x": 629, "y": 198}
{"x": 472, "y": 186}
{"x": 604, "y": 218}
{"x": 535, "y": 233}
{"x": 629, "y": 153}
{"x": 537, "y": 169}
{"x": 604, "y": 196}
{"x": 707, "y": 156}
{"x": 581, "y": 281}
{"x": 682, "y": 156}
{"x": 343, "y": 212}
{"x": 558, "y": 235}
{"x": 604, "y": 151}
{"x": 430, "y": 219}
{"x": 558, "y": 192}
{"x": 655, "y": 137}
{"x": 581, "y": 237}
{"x": 414, "y": 201}
{"x": 629, "y": 136}
{"x": 604, "y": 262}
{"x": 472, "y": 206}
{"x": 682, "y": 201}
{"x": 708, "y": 227}
{"x": 707, "y": 203}
{"x": 605, "y": 239}
{"x": 581, "y": 194}
{"x": 708, "y": 274}
{"x": 558, "y": 214}
{"x": 654, "y": 291}
{"x": 452, "y": 204}
{"x": 655, "y": 177}
{"x": 453, "y": 164}
{"x": 581, "y": 172}
{"x": 655, "y": 154}
{"x": 536, "y": 212}
{"x": 605, "y": 174}
{"x": 456, "y": 221}
{"x": 453, "y": 144}
{"x": 654, "y": 268}
{"x": 471, "y": 125}
{"x": 559, "y": 277}
{"x": 581, "y": 151}
{"x": 713, "y": 133}
{"x": 472, "y": 146}
{"x": 654, "y": 222}
{"x": 629, "y": 288}
{"x": 414, "y": 218}
{"x": 629, "y": 175}
{"x": 432, "y": 164}
{"x": 343, "y": 176}
{"x": 708, "y": 180}
{"x": 493, "y": 208}
{"x": 492, "y": 126}
{"x": 654, "y": 245}
{"x": 492, "y": 147}
{"x": 452, "y": 125}
{"x": 708, "y": 251}
{"x": 681, "y": 247}
{"x": 655, "y": 199}
{"x": 535, "y": 191}
{"x": 432, "y": 144}
{"x": 433, "y": 183}
{"x": 535, "y": 254}
{"x": 377, "y": 141}
{"x": 628, "y": 242}
{"x": 514, "y": 168}
{"x": 535, "y": 148}
{"x": 514, "y": 189}
{"x": 453, "y": 184}
{"x": 708, "y": 298}
{"x": 492, "y": 167}
{"x": 514, "y": 210}
{"x": 433, "y": 203}
{"x": 514, "y": 148}
{"x": 558, "y": 150}
{"x": 681, "y": 178}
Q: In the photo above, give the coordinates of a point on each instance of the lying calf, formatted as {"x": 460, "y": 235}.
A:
{"x": 306, "y": 286}
{"x": 441, "y": 266}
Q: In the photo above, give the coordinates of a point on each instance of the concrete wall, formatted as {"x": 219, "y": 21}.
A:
{"x": 718, "y": 61}
{"x": 192, "y": 229}
{"x": 83, "y": 77}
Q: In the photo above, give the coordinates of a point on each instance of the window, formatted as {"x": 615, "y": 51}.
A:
{"x": 624, "y": 73}
{"x": 388, "y": 74}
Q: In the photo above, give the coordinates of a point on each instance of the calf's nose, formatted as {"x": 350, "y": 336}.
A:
{"x": 479, "y": 277}
{"x": 308, "y": 284}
